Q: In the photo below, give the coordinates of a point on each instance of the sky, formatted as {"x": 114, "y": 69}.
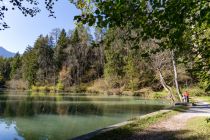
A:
{"x": 24, "y": 31}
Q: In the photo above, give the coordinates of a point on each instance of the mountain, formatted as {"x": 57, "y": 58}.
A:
{"x": 5, "y": 53}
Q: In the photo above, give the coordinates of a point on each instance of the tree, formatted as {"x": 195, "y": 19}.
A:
{"x": 26, "y": 7}
{"x": 161, "y": 61}
{"x": 59, "y": 49}
{"x": 114, "y": 58}
{"x": 78, "y": 52}
{"x": 165, "y": 20}
{"x": 55, "y": 33}
{"x": 45, "y": 60}
{"x": 16, "y": 65}
{"x": 198, "y": 38}
{"x": 30, "y": 65}
{"x": 5, "y": 69}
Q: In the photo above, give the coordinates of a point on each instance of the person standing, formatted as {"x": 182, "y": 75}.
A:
{"x": 184, "y": 97}
{"x": 187, "y": 96}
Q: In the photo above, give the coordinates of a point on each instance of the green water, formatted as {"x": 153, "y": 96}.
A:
{"x": 36, "y": 116}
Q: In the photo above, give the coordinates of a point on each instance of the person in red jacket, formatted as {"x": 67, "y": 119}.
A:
{"x": 186, "y": 96}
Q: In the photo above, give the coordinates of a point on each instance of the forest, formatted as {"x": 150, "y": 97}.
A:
{"x": 143, "y": 47}
{"x": 127, "y": 69}
{"x": 69, "y": 60}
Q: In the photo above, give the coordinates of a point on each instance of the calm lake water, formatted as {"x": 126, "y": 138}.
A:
{"x": 36, "y": 116}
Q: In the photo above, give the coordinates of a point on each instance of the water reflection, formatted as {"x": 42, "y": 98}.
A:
{"x": 9, "y": 131}
{"x": 30, "y": 105}
{"x": 36, "y": 116}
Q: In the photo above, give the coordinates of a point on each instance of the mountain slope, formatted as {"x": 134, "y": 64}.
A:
{"x": 5, "y": 53}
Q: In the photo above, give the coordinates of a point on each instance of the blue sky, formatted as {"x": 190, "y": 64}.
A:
{"x": 24, "y": 31}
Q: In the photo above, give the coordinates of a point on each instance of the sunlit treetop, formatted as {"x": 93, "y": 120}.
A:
{"x": 150, "y": 15}
{"x": 27, "y": 7}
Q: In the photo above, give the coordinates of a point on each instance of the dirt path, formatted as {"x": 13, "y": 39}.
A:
{"x": 173, "y": 126}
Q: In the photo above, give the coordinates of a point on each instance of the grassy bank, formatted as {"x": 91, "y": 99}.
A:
{"x": 101, "y": 87}
{"x": 197, "y": 128}
{"x": 203, "y": 98}
{"x": 138, "y": 124}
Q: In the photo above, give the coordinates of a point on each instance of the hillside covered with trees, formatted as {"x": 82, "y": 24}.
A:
{"x": 68, "y": 60}
{"x": 137, "y": 44}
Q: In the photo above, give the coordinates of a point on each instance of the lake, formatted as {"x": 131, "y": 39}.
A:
{"x": 37, "y": 116}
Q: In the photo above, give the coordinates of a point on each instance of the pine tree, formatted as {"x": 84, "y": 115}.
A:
{"x": 59, "y": 54}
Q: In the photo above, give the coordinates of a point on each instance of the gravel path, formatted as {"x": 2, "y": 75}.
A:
{"x": 173, "y": 126}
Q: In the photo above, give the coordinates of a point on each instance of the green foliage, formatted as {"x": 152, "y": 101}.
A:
{"x": 30, "y": 65}
{"x": 160, "y": 95}
{"x": 195, "y": 91}
{"x": 132, "y": 73}
{"x": 200, "y": 55}
{"x": 27, "y": 8}
{"x": 34, "y": 88}
{"x": 181, "y": 26}
{"x": 117, "y": 55}
{"x": 16, "y": 65}
{"x": 59, "y": 54}
{"x": 1, "y": 79}
{"x": 124, "y": 66}
{"x": 113, "y": 68}
{"x": 5, "y": 69}
{"x": 59, "y": 86}
{"x": 45, "y": 60}
{"x": 42, "y": 89}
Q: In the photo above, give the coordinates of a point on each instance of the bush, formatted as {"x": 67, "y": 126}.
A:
{"x": 160, "y": 95}
{"x": 195, "y": 91}
{"x": 34, "y": 88}
{"x": 44, "y": 88}
{"x": 144, "y": 92}
{"x": 133, "y": 84}
{"x": 59, "y": 86}
{"x": 17, "y": 84}
{"x": 99, "y": 86}
{"x": 52, "y": 89}
{"x": 40, "y": 88}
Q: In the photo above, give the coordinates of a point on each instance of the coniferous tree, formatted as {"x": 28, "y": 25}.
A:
{"x": 59, "y": 49}
{"x": 16, "y": 65}
{"x": 30, "y": 65}
{"x": 45, "y": 60}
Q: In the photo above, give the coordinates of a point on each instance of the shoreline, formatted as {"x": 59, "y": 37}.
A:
{"x": 118, "y": 125}
{"x": 148, "y": 95}
{"x": 177, "y": 122}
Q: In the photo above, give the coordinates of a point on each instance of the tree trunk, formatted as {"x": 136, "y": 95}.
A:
{"x": 176, "y": 75}
{"x": 165, "y": 86}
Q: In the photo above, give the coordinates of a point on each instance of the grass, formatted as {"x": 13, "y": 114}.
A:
{"x": 197, "y": 128}
{"x": 203, "y": 98}
{"x": 137, "y": 125}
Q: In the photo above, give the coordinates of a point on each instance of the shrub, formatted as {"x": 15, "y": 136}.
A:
{"x": 52, "y": 89}
{"x": 59, "y": 86}
{"x": 195, "y": 91}
{"x": 44, "y": 88}
{"x": 160, "y": 95}
{"x": 34, "y": 88}
{"x": 40, "y": 88}
{"x": 99, "y": 86}
{"x": 17, "y": 84}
